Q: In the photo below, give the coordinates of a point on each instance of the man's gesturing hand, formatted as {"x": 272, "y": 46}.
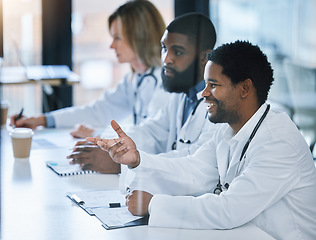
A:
{"x": 121, "y": 150}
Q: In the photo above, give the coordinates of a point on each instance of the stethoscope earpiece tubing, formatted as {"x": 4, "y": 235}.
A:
{"x": 150, "y": 74}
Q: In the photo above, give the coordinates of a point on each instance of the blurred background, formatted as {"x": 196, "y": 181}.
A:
{"x": 284, "y": 29}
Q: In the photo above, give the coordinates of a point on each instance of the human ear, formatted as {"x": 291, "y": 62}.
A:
{"x": 203, "y": 59}
{"x": 246, "y": 87}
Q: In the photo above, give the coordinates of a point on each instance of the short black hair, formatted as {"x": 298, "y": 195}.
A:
{"x": 198, "y": 27}
{"x": 241, "y": 60}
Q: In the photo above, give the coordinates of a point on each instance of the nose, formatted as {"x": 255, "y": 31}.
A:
{"x": 166, "y": 57}
{"x": 206, "y": 92}
{"x": 112, "y": 44}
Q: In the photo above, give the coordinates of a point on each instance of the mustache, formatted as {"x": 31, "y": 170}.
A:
{"x": 169, "y": 69}
{"x": 209, "y": 99}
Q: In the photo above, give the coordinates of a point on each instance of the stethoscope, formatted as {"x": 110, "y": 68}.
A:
{"x": 150, "y": 74}
{"x": 218, "y": 188}
{"x": 188, "y": 141}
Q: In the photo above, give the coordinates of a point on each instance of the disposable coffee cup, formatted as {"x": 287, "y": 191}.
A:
{"x": 4, "y": 112}
{"x": 21, "y": 139}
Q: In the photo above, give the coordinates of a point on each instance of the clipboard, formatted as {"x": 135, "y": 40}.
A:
{"x": 108, "y": 206}
{"x": 111, "y": 218}
{"x": 80, "y": 203}
{"x": 108, "y": 225}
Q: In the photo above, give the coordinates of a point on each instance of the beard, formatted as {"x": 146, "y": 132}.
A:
{"x": 182, "y": 81}
{"x": 223, "y": 114}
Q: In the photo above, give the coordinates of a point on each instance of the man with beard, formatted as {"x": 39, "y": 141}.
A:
{"x": 257, "y": 167}
{"x": 175, "y": 130}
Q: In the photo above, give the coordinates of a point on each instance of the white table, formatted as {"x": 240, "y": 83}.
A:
{"x": 34, "y": 203}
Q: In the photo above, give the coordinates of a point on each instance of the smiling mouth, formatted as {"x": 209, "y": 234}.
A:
{"x": 210, "y": 106}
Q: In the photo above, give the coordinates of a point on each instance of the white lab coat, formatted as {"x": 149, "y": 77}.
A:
{"x": 158, "y": 135}
{"x": 118, "y": 103}
{"x": 275, "y": 188}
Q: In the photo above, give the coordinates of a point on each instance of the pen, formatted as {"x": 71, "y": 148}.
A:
{"x": 114, "y": 205}
{"x": 20, "y": 115}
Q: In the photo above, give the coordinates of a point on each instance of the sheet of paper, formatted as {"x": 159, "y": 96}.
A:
{"x": 100, "y": 198}
{"x": 114, "y": 217}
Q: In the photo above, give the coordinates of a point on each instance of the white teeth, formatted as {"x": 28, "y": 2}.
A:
{"x": 212, "y": 104}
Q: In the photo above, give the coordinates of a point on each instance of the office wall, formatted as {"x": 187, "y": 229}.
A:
{"x": 286, "y": 31}
{"x": 285, "y": 28}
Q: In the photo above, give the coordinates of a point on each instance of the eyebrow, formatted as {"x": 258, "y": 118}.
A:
{"x": 174, "y": 46}
{"x": 211, "y": 80}
{"x": 178, "y": 46}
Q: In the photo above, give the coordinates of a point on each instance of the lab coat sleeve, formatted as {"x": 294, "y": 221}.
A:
{"x": 192, "y": 175}
{"x": 271, "y": 173}
{"x": 114, "y": 104}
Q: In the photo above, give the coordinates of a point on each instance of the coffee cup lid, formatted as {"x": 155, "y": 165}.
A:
{"x": 4, "y": 104}
{"x": 21, "y": 132}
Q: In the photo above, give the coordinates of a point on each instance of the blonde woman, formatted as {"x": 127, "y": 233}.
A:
{"x": 136, "y": 28}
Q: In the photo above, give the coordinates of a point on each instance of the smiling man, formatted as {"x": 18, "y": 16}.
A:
{"x": 255, "y": 168}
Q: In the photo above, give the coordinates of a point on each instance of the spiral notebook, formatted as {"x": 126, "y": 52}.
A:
{"x": 63, "y": 168}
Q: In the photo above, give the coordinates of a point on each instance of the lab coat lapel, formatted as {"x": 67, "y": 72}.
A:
{"x": 200, "y": 116}
{"x": 222, "y": 155}
{"x": 192, "y": 128}
{"x": 134, "y": 78}
{"x": 234, "y": 164}
{"x": 180, "y": 115}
